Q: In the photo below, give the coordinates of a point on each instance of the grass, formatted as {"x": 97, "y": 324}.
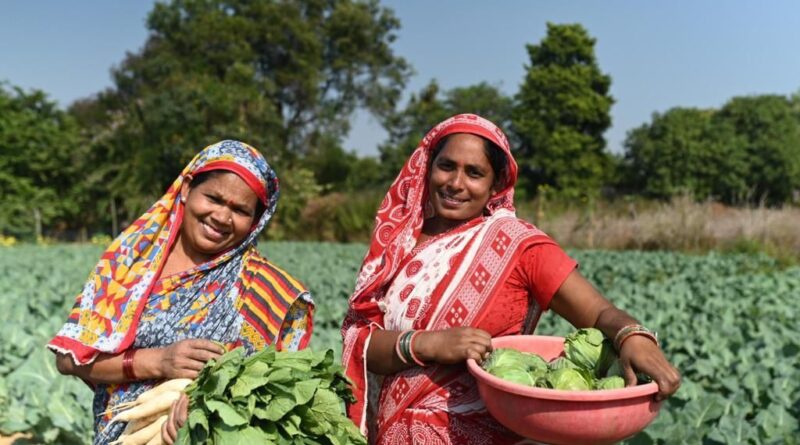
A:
{"x": 679, "y": 225}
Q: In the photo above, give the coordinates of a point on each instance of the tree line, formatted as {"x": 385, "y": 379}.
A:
{"x": 287, "y": 77}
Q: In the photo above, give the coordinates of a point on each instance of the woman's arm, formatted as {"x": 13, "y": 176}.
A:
{"x": 583, "y": 306}
{"x": 381, "y": 356}
{"x": 448, "y": 347}
{"x": 183, "y": 359}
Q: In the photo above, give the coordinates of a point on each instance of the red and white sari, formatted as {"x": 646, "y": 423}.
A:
{"x": 450, "y": 280}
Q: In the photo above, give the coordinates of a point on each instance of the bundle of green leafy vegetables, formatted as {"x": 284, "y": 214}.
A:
{"x": 589, "y": 362}
{"x": 270, "y": 397}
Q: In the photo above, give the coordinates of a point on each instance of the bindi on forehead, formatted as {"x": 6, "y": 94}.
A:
{"x": 233, "y": 203}
{"x": 236, "y": 201}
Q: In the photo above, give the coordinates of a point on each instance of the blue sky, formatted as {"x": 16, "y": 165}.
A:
{"x": 659, "y": 55}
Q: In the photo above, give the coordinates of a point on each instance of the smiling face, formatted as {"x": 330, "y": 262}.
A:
{"x": 460, "y": 182}
{"x": 218, "y": 214}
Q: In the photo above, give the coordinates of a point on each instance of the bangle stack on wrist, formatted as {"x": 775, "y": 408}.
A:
{"x": 127, "y": 364}
{"x": 398, "y": 346}
{"x": 629, "y": 331}
{"x": 404, "y": 348}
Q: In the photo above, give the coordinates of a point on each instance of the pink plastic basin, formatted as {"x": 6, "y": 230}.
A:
{"x": 563, "y": 417}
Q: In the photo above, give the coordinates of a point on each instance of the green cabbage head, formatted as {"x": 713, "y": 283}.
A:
{"x": 534, "y": 362}
{"x": 561, "y": 362}
{"x": 589, "y": 350}
{"x": 505, "y": 357}
{"x": 614, "y": 382}
{"x": 568, "y": 379}
{"x": 514, "y": 374}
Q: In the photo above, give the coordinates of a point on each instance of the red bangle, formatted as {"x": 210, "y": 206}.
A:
{"x": 127, "y": 364}
{"x": 411, "y": 351}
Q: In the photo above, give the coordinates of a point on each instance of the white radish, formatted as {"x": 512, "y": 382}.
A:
{"x": 156, "y": 440}
{"x": 166, "y": 386}
{"x": 156, "y": 405}
{"x": 137, "y": 424}
{"x": 144, "y": 435}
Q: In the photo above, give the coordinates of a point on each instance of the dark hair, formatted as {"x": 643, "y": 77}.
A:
{"x": 205, "y": 176}
{"x": 210, "y": 174}
{"x": 497, "y": 158}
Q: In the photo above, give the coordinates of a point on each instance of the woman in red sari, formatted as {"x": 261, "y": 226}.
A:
{"x": 448, "y": 268}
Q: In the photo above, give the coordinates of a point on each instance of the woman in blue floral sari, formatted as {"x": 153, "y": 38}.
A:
{"x": 181, "y": 280}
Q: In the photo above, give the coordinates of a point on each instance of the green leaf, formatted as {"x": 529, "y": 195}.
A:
{"x": 184, "y": 436}
{"x": 304, "y": 391}
{"x": 198, "y": 421}
{"x": 731, "y": 430}
{"x": 312, "y": 424}
{"x": 281, "y": 375}
{"x": 253, "y": 376}
{"x": 227, "y": 413}
{"x": 225, "y": 369}
{"x": 290, "y": 425}
{"x": 247, "y": 436}
{"x": 326, "y": 405}
{"x": 279, "y": 406}
{"x": 776, "y": 421}
{"x": 263, "y": 398}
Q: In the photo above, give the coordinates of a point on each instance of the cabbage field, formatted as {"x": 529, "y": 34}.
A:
{"x": 729, "y": 323}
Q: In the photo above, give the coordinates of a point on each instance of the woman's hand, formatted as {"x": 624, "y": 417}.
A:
{"x": 453, "y": 346}
{"x": 177, "y": 417}
{"x": 639, "y": 353}
{"x": 185, "y": 359}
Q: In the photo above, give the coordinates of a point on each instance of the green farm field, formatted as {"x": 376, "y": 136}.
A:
{"x": 728, "y": 322}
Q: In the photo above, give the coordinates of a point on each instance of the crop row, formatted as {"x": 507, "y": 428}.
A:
{"x": 729, "y": 323}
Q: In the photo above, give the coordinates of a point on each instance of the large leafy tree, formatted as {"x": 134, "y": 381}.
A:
{"x": 686, "y": 150}
{"x": 284, "y": 76}
{"x": 429, "y": 107}
{"x": 39, "y": 155}
{"x": 106, "y": 164}
{"x": 562, "y": 110}
{"x": 749, "y": 150}
{"x": 769, "y": 133}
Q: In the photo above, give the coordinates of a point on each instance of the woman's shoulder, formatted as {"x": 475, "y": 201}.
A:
{"x": 259, "y": 268}
{"x": 512, "y": 225}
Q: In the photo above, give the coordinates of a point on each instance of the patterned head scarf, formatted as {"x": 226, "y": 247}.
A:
{"x": 106, "y": 313}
